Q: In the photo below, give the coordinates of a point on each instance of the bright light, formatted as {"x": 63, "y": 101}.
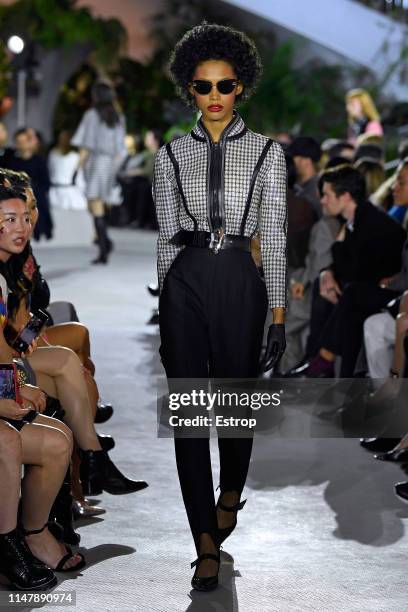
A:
{"x": 15, "y": 44}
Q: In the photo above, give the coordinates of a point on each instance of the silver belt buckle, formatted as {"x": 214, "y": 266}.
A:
{"x": 217, "y": 238}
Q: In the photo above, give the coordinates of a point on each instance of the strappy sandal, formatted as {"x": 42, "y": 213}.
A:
{"x": 222, "y": 534}
{"x": 205, "y": 583}
{"x": 65, "y": 558}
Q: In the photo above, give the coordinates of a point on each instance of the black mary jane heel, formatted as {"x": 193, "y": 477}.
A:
{"x": 222, "y": 534}
{"x": 205, "y": 583}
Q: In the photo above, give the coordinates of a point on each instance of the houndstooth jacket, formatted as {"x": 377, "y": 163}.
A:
{"x": 248, "y": 173}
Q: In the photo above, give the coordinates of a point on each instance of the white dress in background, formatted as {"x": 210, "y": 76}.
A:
{"x": 63, "y": 194}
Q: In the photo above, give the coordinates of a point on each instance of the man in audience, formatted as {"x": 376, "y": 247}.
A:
{"x": 306, "y": 154}
{"x": 367, "y": 251}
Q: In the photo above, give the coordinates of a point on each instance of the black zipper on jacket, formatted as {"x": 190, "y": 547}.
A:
{"x": 215, "y": 185}
{"x": 215, "y": 176}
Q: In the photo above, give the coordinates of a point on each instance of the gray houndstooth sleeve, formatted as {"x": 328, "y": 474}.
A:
{"x": 273, "y": 230}
{"x": 167, "y": 201}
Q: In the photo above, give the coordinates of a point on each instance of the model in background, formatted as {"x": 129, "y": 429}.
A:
{"x": 101, "y": 140}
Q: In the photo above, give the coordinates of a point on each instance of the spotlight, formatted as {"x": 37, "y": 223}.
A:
{"x": 15, "y": 44}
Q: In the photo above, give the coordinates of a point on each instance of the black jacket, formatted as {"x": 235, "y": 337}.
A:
{"x": 371, "y": 250}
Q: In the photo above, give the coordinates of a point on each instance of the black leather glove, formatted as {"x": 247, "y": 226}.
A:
{"x": 275, "y": 345}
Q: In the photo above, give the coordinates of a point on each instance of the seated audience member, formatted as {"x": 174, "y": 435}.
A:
{"x": 366, "y": 251}
{"x": 384, "y": 335}
{"x": 306, "y": 154}
{"x": 129, "y": 179}
{"x": 383, "y": 196}
{"x": 373, "y": 172}
{"x": 399, "y": 210}
{"x": 16, "y": 562}
{"x": 152, "y": 142}
{"x": 6, "y": 152}
{"x": 300, "y": 221}
{"x": 63, "y": 161}
{"x": 297, "y": 319}
{"x": 52, "y": 443}
{"x": 334, "y": 147}
{"x": 374, "y": 152}
{"x": 28, "y": 161}
{"x": 59, "y": 372}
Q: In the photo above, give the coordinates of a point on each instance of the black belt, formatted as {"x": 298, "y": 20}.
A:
{"x": 211, "y": 240}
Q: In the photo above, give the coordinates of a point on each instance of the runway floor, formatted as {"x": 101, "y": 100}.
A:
{"x": 321, "y": 531}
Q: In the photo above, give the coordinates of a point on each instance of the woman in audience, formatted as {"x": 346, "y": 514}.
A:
{"x": 63, "y": 160}
{"x": 363, "y": 117}
{"x": 30, "y": 291}
{"x": 399, "y": 211}
{"x": 373, "y": 172}
{"x": 46, "y": 443}
{"x": 59, "y": 372}
{"x": 16, "y": 563}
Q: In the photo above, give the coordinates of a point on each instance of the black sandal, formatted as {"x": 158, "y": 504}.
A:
{"x": 65, "y": 558}
{"x": 222, "y": 534}
{"x": 207, "y": 583}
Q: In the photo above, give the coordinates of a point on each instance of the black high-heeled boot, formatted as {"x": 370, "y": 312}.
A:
{"x": 98, "y": 473}
{"x": 18, "y": 565}
{"x": 61, "y": 520}
{"x": 103, "y": 241}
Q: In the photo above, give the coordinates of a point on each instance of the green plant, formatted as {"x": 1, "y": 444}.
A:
{"x": 308, "y": 99}
{"x": 59, "y": 23}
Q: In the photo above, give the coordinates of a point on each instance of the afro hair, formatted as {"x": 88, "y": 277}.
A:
{"x": 215, "y": 42}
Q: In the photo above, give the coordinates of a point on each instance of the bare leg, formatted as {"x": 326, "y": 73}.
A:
{"x": 72, "y": 335}
{"x": 92, "y": 388}
{"x": 46, "y": 451}
{"x": 10, "y": 476}
{"x": 65, "y": 369}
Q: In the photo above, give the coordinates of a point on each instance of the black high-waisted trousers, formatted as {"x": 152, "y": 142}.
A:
{"x": 212, "y": 312}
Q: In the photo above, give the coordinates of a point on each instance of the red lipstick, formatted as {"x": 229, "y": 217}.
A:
{"x": 215, "y": 108}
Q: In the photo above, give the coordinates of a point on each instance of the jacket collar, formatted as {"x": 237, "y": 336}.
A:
{"x": 234, "y": 130}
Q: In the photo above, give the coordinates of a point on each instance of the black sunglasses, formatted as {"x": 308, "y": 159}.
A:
{"x": 203, "y": 88}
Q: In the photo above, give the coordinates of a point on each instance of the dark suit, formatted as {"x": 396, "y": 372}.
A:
{"x": 371, "y": 250}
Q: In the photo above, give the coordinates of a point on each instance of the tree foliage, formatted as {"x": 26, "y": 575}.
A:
{"x": 56, "y": 23}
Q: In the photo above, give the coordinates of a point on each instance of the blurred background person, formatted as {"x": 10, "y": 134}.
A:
{"x": 334, "y": 147}
{"x": 63, "y": 161}
{"x": 306, "y": 154}
{"x": 101, "y": 139}
{"x": 399, "y": 210}
{"x": 300, "y": 220}
{"x": 6, "y": 152}
{"x": 383, "y": 196}
{"x": 363, "y": 117}
{"x": 26, "y": 159}
{"x": 373, "y": 172}
{"x": 128, "y": 178}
